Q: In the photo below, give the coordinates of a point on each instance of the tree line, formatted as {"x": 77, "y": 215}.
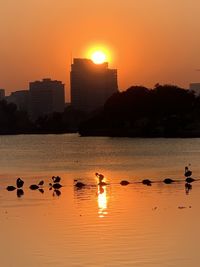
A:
{"x": 164, "y": 111}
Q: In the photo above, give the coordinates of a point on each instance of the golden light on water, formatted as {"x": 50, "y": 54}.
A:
{"x": 102, "y": 201}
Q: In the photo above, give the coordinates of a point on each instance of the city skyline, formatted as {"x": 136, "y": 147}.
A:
{"x": 39, "y": 39}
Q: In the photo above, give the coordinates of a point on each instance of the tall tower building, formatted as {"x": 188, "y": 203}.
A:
{"x": 91, "y": 84}
{"x": 46, "y": 97}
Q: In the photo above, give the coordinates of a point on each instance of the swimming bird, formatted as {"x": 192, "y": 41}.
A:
{"x": 189, "y": 180}
{"x": 101, "y": 183}
{"x": 99, "y": 175}
{"x": 124, "y": 182}
{"x": 79, "y": 184}
{"x": 56, "y": 186}
{"x": 147, "y": 182}
{"x": 34, "y": 187}
{"x": 19, "y": 183}
{"x": 10, "y": 188}
{"x": 188, "y": 173}
{"x": 168, "y": 181}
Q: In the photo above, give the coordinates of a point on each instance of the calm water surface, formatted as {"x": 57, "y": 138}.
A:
{"x": 124, "y": 226}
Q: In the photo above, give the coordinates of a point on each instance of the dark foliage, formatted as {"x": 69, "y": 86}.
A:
{"x": 167, "y": 111}
{"x": 13, "y": 121}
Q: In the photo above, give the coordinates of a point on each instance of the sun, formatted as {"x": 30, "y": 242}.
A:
{"x": 98, "y": 57}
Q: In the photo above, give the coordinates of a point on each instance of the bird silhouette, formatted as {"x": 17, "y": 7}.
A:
{"x": 34, "y": 187}
{"x": 168, "y": 181}
{"x": 187, "y": 173}
{"x": 79, "y": 184}
{"x": 147, "y": 182}
{"x": 19, "y": 183}
{"x": 56, "y": 179}
{"x": 55, "y": 186}
{"x": 124, "y": 182}
{"x": 101, "y": 183}
{"x": 189, "y": 180}
{"x": 11, "y": 188}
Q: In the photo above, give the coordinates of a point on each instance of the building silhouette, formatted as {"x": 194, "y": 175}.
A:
{"x": 20, "y": 99}
{"x": 91, "y": 84}
{"x": 46, "y": 96}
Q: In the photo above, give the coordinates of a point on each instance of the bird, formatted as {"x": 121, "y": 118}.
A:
{"x": 34, "y": 187}
{"x": 101, "y": 183}
{"x": 79, "y": 184}
{"x": 124, "y": 182}
{"x": 189, "y": 180}
{"x": 100, "y": 177}
{"x": 188, "y": 173}
{"x": 56, "y": 186}
{"x": 168, "y": 181}
{"x": 10, "y": 188}
{"x": 56, "y": 179}
{"x": 147, "y": 182}
{"x": 19, "y": 183}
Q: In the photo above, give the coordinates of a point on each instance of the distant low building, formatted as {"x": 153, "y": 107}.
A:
{"x": 46, "y": 96}
{"x": 2, "y": 94}
{"x": 91, "y": 84}
{"x": 195, "y": 87}
{"x": 20, "y": 99}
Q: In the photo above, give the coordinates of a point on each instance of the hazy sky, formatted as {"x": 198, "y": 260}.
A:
{"x": 150, "y": 40}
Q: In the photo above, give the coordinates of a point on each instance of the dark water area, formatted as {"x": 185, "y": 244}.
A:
{"x": 135, "y": 225}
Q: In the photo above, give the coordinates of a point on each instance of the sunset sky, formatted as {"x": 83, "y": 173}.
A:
{"x": 149, "y": 41}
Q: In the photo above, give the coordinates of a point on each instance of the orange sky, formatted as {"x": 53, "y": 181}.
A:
{"x": 151, "y": 40}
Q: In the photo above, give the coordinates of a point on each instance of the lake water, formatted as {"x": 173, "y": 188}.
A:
{"x": 136, "y": 225}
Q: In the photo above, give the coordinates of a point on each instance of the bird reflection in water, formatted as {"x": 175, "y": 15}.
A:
{"x": 20, "y": 193}
{"x": 102, "y": 201}
{"x": 56, "y": 193}
{"x": 188, "y": 188}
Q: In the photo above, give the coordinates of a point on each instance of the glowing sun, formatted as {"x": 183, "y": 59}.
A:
{"x": 98, "y": 57}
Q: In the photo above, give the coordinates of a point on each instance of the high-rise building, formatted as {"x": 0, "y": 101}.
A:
{"x": 91, "y": 84}
{"x": 46, "y": 96}
{"x": 2, "y": 94}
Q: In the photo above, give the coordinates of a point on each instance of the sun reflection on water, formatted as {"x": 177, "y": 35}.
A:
{"x": 102, "y": 201}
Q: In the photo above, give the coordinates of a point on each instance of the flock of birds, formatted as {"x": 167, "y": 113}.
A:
{"x": 56, "y": 185}
{"x": 188, "y": 180}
